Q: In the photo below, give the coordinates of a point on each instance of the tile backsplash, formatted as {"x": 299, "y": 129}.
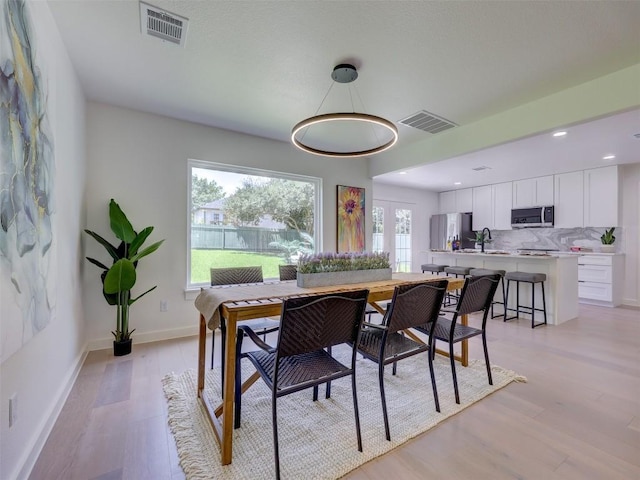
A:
{"x": 561, "y": 239}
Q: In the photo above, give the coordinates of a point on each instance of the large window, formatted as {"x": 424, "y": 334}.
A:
{"x": 248, "y": 217}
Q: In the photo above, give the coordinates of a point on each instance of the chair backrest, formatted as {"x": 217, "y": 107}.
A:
{"x": 414, "y": 305}
{"x": 288, "y": 272}
{"x": 236, "y": 275}
{"x": 477, "y": 294}
{"x": 311, "y": 323}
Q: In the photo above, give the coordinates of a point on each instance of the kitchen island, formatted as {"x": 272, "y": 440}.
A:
{"x": 561, "y": 286}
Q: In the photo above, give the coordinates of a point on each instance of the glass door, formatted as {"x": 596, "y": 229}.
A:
{"x": 392, "y": 232}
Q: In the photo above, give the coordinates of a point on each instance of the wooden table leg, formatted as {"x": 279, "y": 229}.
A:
{"x": 229, "y": 391}
{"x": 464, "y": 320}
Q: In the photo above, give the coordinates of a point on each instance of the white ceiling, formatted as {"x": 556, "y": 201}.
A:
{"x": 259, "y": 67}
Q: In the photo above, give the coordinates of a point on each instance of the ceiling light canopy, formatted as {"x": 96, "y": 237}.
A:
{"x": 366, "y": 134}
{"x": 559, "y": 134}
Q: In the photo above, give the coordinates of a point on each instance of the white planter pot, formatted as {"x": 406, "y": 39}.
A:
{"x": 607, "y": 248}
{"x": 309, "y": 280}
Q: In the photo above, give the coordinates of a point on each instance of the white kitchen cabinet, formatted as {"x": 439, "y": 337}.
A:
{"x": 533, "y": 192}
{"x": 600, "y": 279}
{"x": 456, "y": 201}
{"x": 569, "y": 200}
{"x": 482, "y": 208}
{"x": 464, "y": 200}
{"x": 448, "y": 202}
{"x": 601, "y": 197}
{"x": 501, "y": 194}
{"x": 492, "y": 206}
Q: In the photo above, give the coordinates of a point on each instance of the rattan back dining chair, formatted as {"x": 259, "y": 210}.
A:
{"x": 238, "y": 276}
{"x": 412, "y": 305}
{"x": 288, "y": 272}
{"x": 309, "y": 327}
{"x": 476, "y": 296}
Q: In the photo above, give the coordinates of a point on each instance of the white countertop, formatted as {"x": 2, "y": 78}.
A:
{"x": 500, "y": 254}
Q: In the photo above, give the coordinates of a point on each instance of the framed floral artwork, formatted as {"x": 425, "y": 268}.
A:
{"x": 351, "y": 217}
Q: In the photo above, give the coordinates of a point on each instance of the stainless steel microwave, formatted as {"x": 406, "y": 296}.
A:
{"x": 532, "y": 217}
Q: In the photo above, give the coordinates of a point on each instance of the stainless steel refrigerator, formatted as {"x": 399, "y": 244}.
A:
{"x": 448, "y": 226}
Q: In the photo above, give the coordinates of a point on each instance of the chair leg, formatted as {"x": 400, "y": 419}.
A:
{"x": 213, "y": 345}
{"x": 395, "y": 366}
{"x": 328, "y": 390}
{"x": 433, "y": 378}
{"x": 486, "y": 356}
{"x": 274, "y": 419}
{"x": 533, "y": 305}
{"x": 238, "y": 382}
{"x": 355, "y": 409}
{"x": 315, "y": 393}
{"x": 544, "y": 303}
{"x": 384, "y": 401}
{"x": 453, "y": 373}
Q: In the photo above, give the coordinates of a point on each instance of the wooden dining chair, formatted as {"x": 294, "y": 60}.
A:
{"x": 411, "y": 306}
{"x": 309, "y": 327}
{"x": 476, "y": 296}
{"x": 238, "y": 276}
{"x": 288, "y": 272}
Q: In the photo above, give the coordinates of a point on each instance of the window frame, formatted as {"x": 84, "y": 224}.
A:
{"x": 244, "y": 170}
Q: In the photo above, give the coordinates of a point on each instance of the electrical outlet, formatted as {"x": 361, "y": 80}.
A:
{"x": 164, "y": 306}
{"x": 563, "y": 240}
{"x": 13, "y": 409}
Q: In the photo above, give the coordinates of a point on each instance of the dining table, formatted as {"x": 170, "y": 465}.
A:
{"x": 233, "y": 303}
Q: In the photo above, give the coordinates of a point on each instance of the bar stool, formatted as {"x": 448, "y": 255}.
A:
{"x": 433, "y": 268}
{"x": 458, "y": 272}
{"x": 484, "y": 272}
{"x": 531, "y": 278}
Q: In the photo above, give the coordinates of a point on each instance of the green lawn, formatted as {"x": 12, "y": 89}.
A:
{"x": 203, "y": 260}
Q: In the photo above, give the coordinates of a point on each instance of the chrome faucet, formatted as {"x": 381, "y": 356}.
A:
{"x": 483, "y": 238}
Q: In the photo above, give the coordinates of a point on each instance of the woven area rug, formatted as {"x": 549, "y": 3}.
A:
{"x": 318, "y": 439}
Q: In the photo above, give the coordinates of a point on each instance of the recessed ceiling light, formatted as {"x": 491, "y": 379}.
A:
{"x": 402, "y": 173}
{"x": 559, "y": 134}
{"x": 608, "y": 157}
{"x": 457, "y": 183}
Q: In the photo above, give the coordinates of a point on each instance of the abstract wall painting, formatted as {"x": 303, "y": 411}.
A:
{"x": 351, "y": 217}
{"x": 27, "y": 248}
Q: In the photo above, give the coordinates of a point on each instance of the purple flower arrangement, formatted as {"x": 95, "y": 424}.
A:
{"x": 341, "y": 262}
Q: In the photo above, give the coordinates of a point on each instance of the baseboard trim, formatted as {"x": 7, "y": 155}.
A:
{"x": 31, "y": 454}
{"x": 155, "y": 336}
{"x": 631, "y": 302}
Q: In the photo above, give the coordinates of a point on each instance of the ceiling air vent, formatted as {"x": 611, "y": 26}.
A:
{"x": 637, "y": 135}
{"x": 162, "y": 24}
{"x": 428, "y": 122}
{"x": 480, "y": 168}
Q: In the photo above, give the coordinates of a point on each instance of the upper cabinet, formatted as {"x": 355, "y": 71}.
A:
{"x": 569, "y": 201}
{"x": 482, "y": 208}
{"x": 501, "y": 194}
{"x": 601, "y": 197}
{"x": 456, "y": 201}
{"x": 533, "y": 192}
{"x": 464, "y": 200}
{"x": 448, "y": 202}
{"x": 492, "y": 206}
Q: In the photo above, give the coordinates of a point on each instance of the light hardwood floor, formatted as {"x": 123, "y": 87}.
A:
{"x": 577, "y": 417}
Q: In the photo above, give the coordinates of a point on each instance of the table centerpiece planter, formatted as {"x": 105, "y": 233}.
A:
{"x": 324, "y": 269}
{"x": 323, "y": 279}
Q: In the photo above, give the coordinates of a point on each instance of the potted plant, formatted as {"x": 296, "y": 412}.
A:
{"x": 479, "y": 238}
{"x": 120, "y": 278}
{"x": 607, "y": 240}
{"x": 322, "y": 269}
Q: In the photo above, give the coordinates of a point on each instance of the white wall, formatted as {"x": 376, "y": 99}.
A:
{"x": 140, "y": 160}
{"x": 425, "y": 204}
{"x": 42, "y": 372}
{"x": 630, "y": 202}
